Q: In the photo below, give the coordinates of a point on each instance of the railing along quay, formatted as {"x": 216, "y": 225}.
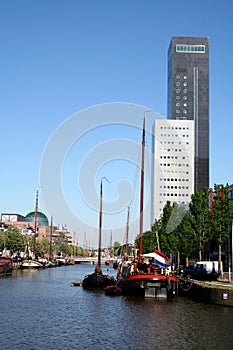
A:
{"x": 91, "y": 260}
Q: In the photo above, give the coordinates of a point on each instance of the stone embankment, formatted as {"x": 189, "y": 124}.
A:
{"x": 215, "y": 292}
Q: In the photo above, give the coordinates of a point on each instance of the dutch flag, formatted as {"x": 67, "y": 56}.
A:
{"x": 161, "y": 259}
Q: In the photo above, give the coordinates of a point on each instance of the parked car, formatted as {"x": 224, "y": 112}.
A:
{"x": 202, "y": 270}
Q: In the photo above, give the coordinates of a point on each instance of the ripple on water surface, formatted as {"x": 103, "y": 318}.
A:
{"x": 40, "y": 310}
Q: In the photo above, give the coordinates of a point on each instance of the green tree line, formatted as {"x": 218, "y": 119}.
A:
{"x": 193, "y": 233}
{"x": 12, "y": 240}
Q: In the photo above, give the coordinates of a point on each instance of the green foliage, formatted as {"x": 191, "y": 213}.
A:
{"x": 177, "y": 230}
{"x": 14, "y": 240}
{"x": 186, "y": 237}
{"x": 65, "y": 248}
{"x": 116, "y": 248}
{"x": 43, "y": 247}
{"x": 163, "y": 236}
{"x": 221, "y": 214}
{"x": 192, "y": 230}
{"x": 149, "y": 243}
{"x": 169, "y": 229}
{"x": 2, "y": 240}
{"x": 79, "y": 250}
{"x": 200, "y": 212}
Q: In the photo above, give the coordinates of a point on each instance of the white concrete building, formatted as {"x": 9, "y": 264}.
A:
{"x": 173, "y": 163}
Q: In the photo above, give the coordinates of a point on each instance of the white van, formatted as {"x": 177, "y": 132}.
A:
{"x": 209, "y": 266}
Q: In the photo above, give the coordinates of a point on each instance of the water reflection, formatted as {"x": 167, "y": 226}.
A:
{"x": 43, "y": 311}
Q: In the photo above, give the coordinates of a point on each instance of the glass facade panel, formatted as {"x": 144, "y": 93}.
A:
{"x": 190, "y": 48}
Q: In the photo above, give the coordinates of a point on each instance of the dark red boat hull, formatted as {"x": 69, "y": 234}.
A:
{"x": 142, "y": 284}
{"x": 6, "y": 266}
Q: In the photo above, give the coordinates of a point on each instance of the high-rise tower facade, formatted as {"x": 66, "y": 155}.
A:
{"x": 174, "y": 163}
{"x": 188, "y": 96}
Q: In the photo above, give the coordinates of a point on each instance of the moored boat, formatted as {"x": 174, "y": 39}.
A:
{"x": 149, "y": 285}
{"x": 6, "y": 266}
{"x": 31, "y": 264}
{"x": 52, "y": 263}
{"x": 97, "y": 279}
{"x": 151, "y": 279}
{"x": 147, "y": 280}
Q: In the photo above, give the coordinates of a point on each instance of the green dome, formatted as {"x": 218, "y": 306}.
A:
{"x": 41, "y": 218}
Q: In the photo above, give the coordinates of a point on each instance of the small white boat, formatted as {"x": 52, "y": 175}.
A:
{"x": 31, "y": 264}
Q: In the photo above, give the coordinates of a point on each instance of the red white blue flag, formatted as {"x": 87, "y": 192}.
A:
{"x": 161, "y": 259}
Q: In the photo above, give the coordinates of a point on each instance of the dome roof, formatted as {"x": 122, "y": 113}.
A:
{"x": 41, "y": 218}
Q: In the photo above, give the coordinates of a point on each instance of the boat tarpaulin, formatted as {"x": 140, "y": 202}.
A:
{"x": 160, "y": 259}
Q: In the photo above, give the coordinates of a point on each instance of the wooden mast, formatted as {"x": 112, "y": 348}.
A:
{"x": 100, "y": 222}
{"x": 142, "y": 192}
{"x": 127, "y": 235}
{"x": 35, "y": 224}
{"x": 51, "y": 239}
{"x": 100, "y": 219}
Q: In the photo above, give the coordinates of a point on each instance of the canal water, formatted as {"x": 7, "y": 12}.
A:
{"x": 41, "y": 310}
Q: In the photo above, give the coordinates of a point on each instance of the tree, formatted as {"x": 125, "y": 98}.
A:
{"x": 186, "y": 238}
{"x": 200, "y": 212}
{"x": 149, "y": 242}
{"x": 14, "y": 239}
{"x": 43, "y": 247}
{"x": 155, "y": 232}
{"x": 116, "y": 248}
{"x": 163, "y": 236}
{"x": 221, "y": 217}
{"x": 65, "y": 248}
{"x": 2, "y": 240}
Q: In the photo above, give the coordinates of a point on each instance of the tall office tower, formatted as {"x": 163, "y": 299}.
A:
{"x": 173, "y": 163}
{"x": 188, "y": 95}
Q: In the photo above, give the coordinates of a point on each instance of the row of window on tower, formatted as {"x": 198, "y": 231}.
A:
{"x": 175, "y": 187}
{"x": 181, "y": 97}
{"x": 174, "y": 135}
{"x": 174, "y": 128}
{"x": 175, "y": 194}
{"x": 173, "y": 179}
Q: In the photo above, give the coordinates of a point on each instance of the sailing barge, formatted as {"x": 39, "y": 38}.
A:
{"x": 97, "y": 279}
{"x": 138, "y": 278}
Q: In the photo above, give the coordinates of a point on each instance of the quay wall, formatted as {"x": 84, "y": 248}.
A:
{"x": 214, "y": 293}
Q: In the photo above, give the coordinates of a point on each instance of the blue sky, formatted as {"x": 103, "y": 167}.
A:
{"x": 61, "y": 57}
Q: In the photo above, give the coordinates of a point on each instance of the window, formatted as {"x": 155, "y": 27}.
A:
{"x": 190, "y": 48}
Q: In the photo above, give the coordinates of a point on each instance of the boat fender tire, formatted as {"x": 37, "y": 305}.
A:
{"x": 142, "y": 284}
